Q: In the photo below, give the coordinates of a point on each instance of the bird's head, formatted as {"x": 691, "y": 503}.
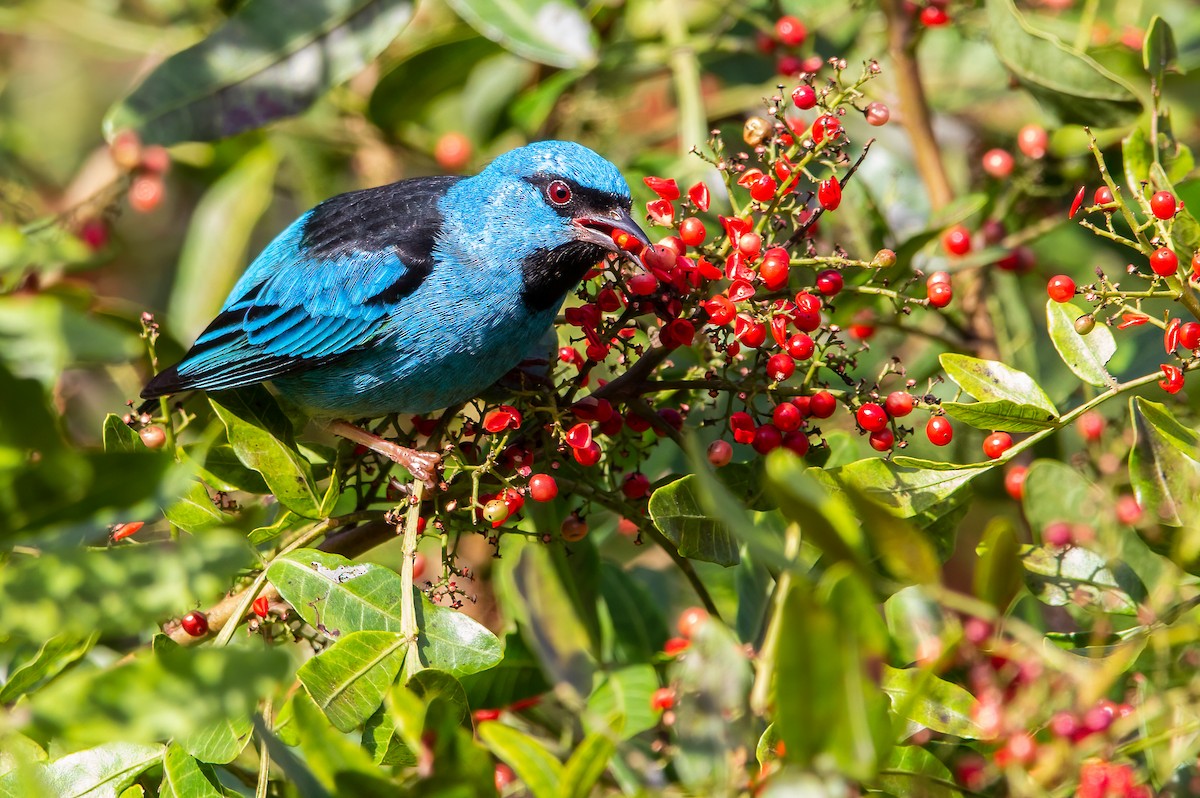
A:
{"x": 556, "y": 206}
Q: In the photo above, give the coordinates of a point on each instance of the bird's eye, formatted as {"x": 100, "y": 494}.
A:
{"x": 558, "y": 192}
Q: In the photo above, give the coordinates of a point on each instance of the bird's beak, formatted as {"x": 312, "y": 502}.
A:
{"x": 603, "y": 230}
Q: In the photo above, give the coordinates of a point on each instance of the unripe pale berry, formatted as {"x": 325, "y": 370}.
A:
{"x": 719, "y": 453}
{"x": 153, "y": 437}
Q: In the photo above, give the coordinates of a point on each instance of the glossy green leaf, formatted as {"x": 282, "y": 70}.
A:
{"x": 913, "y": 771}
{"x": 1074, "y": 575}
{"x": 222, "y": 470}
{"x": 195, "y": 510}
{"x": 44, "y": 334}
{"x": 534, "y": 765}
{"x": 621, "y": 702}
{"x": 904, "y": 551}
{"x": 998, "y": 571}
{"x": 1070, "y": 84}
{"x": 1163, "y": 468}
{"x": 916, "y": 622}
{"x": 1086, "y": 356}
{"x": 214, "y": 252}
{"x": 1001, "y": 415}
{"x": 333, "y": 758}
{"x": 56, "y": 654}
{"x": 349, "y": 679}
{"x": 119, "y": 436}
{"x": 380, "y": 740}
{"x": 678, "y": 512}
{"x": 920, "y": 696}
{"x": 219, "y": 742}
{"x": 1159, "y": 52}
{"x": 261, "y": 437}
{"x": 340, "y": 597}
{"x": 992, "y": 381}
{"x": 271, "y": 60}
{"x": 1055, "y": 491}
{"x": 183, "y": 778}
{"x": 518, "y": 675}
{"x": 100, "y": 772}
{"x": 909, "y": 492}
{"x": 551, "y": 32}
{"x": 585, "y": 766}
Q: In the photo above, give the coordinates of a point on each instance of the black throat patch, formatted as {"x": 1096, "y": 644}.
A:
{"x": 550, "y": 273}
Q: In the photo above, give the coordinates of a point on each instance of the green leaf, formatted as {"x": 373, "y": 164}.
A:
{"x": 219, "y": 742}
{"x": 100, "y": 772}
{"x": 1163, "y": 470}
{"x": 214, "y": 252}
{"x": 271, "y": 59}
{"x": 517, "y": 676}
{"x": 1185, "y": 230}
{"x": 908, "y": 492}
{"x": 1077, "y": 576}
{"x": 52, "y": 658}
{"x": 349, "y": 679}
{"x": 339, "y": 596}
{"x": 534, "y": 765}
{"x": 920, "y": 696}
{"x": 1001, "y": 415}
{"x": 911, "y": 770}
{"x": 222, "y": 470}
{"x": 183, "y": 778}
{"x": 1055, "y": 491}
{"x": 998, "y": 574}
{"x": 195, "y": 511}
{"x": 261, "y": 437}
{"x": 119, "y": 436}
{"x": 621, "y": 702}
{"x": 586, "y": 765}
{"x": 44, "y": 334}
{"x": 551, "y": 32}
{"x": 1085, "y": 355}
{"x": 1070, "y": 84}
{"x": 638, "y": 629}
{"x": 992, "y": 381}
{"x": 905, "y": 552}
{"x": 1159, "y": 53}
{"x": 824, "y": 515}
{"x": 916, "y": 622}
{"x": 677, "y": 511}
{"x": 334, "y": 758}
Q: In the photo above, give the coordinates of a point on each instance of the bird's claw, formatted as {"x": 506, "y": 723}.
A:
{"x": 423, "y": 466}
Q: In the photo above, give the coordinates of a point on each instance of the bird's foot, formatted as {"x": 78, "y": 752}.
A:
{"x": 422, "y": 465}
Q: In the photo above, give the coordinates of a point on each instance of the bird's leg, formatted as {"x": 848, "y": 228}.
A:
{"x": 422, "y": 465}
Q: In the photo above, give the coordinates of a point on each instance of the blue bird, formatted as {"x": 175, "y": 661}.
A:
{"x": 414, "y": 296}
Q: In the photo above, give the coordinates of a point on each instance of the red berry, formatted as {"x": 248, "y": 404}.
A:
{"x": 807, "y": 315}
{"x": 938, "y": 277}
{"x": 122, "y": 531}
{"x": 662, "y": 699}
{"x": 1090, "y": 426}
{"x": 452, "y": 151}
{"x": 690, "y": 621}
{"x": 805, "y": 97}
{"x": 635, "y": 486}
{"x": 587, "y": 456}
{"x": 882, "y": 441}
{"x": 1033, "y": 141}
{"x": 898, "y": 404}
{"x": 789, "y": 66}
{"x": 998, "y": 163}
{"x": 830, "y": 282}
{"x": 1057, "y": 534}
{"x": 938, "y": 430}
{"x": 1063, "y": 724}
{"x": 878, "y": 114}
{"x": 1162, "y": 204}
{"x": 825, "y": 126}
{"x": 801, "y": 347}
{"x": 774, "y": 268}
{"x": 749, "y": 332}
{"x": 1164, "y": 262}
{"x": 719, "y": 453}
{"x": 1077, "y": 202}
{"x": 1196, "y": 264}
{"x": 780, "y": 367}
{"x": 573, "y": 528}
{"x": 1103, "y": 196}
{"x": 1014, "y": 482}
{"x": 749, "y": 244}
{"x": 940, "y": 294}
{"x": 934, "y": 17}
{"x": 829, "y": 193}
{"x": 720, "y": 309}
{"x": 126, "y": 150}
{"x": 153, "y": 437}
{"x": 796, "y": 443}
{"x": 871, "y": 417}
{"x": 1128, "y": 510}
{"x": 1061, "y": 288}
{"x": 790, "y": 31}
{"x": 261, "y": 606}
{"x": 542, "y": 488}
{"x": 997, "y": 444}
{"x": 763, "y": 189}
{"x": 822, "y": 404}
{"x": 1189, "y": 335}
{"x": 787, "y": 417}
{"x": 146, "y": 192}
{"x": 1171, "y": 335}
{"x": 195, "y": 623}
{"x": 692, "y": 232}
{"x": 1172, "y": 381}
{"x": 642, "y": 284}
{"x": 503, "y": 776}
{"x": 767, "y": 438}
{"x": 957, "y": 240}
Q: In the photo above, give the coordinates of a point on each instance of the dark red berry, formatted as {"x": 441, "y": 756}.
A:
{"x": 822, "y": 404}
{"x": 882, "y": 441}
{"x": 938, "y": 430}
{"x": 871, "y": 417}
{"x": 997, "y": 444}
{"x": 830, "y": 282}
{"x": 542, "y": 488}
{"x": 719, "y": 453}
{"x": 1103, "y": 196}
{"x": 787, "y": 417}
{"x": 767, "y": 438}
{"x": 940, "y": 294}
{"x": 635, "y": 486}
{"x": 195, "y": 623}
{"x": 1061, "y": 288}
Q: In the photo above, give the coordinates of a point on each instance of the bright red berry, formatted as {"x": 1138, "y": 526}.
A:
{"x": 780, "y": 367}
{"x": 1103, "y": 196}
{"x": 1128, "y": 510}
{"x": 774, "y": 268}
{"x": 997, "y": 444}
{"x": 1164, "y": 262}
{"x": 940, "y": 294}
{"x": 938, "y": 430}
{"x": 692, "y": 232}
{"x": 1172, "y": 381}
{"x": 898, "y": 404}
{"x": 1189, "y": 335}
{"x": 957, "y": 240}
{"x": 195, "y": 623}
{"x": 542, "y": 488}
{"x": 749, "y": 332}
{"x": 790, "y": 31}
{"x": 720, "y": 309}
{"x": 998, "y": 163}
{"x": 719, "y": 453}
{"x": 146, "y": 192}
{"x": 1057, "y": 534}
{"x": 122, "y": 531}
{"x": 588, "y": 455}
{"x": 1033, "y": 140}
{"x": 1162, "y": 204}
{"x": 829, "y": 193}
{"x": 452, "y": 151}
{"x": 690, "y": 621}
{"x": 1090, "y": 426}
{"x": 1014, "y": 482}
{"x": 871, "y": 417}
{"x": 1061, "y": 288}
{"x": 825, "y": 126}
{"x": 662, "y": 699}
{"x": 934, "y": 17}
{"x": 830, "y": 282}
{"x": 1196, "y": 264}
{"x": 787, "y": 417}
{"x": 805, "y": 97}
{"x": 1077, "y": 202}
{"x": 763, "y": 189}
{"x": 801, "y": 347}
{"x": 882, "y": 440}
{"x": 822, "y": 404}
